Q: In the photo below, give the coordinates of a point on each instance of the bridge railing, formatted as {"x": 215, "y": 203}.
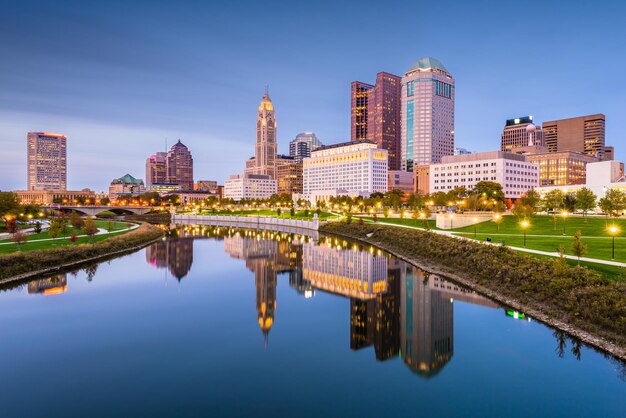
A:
{"x": 247, "y": 221}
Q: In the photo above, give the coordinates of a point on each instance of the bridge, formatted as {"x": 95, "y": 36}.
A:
{"x": 93, "y": 210}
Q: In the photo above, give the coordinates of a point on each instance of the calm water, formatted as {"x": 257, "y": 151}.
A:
{"x": 237, "y": 323}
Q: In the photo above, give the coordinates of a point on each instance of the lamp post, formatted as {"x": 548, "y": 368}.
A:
{"x": 613, "y": 230}
{"x": 451, "y": 219}
{"x": 564, "y": 215}
{"x": 497, "y": 218}
{"x": 475, "y": 222}
{"x": 524, "y": 226}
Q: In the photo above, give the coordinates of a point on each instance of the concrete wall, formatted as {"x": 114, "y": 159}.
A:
{"x": 459, "y": 220}
{"x": 260, "y": 222}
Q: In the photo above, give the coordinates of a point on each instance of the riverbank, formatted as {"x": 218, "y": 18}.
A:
{"x": 572, "y": 299}
{"x": 23, "y": 265}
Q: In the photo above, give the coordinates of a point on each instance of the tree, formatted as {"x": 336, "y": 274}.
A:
{"x": 521, "y": 211}
{"x": 613, "y": 203}
{"x": 90, "y": 228}
{"x": 552, "y": 202}
{"x": 489, "y": 189}
{"x": 11, "y": 226}
{"x": 349, "y": 218}
{"x": 393, "y": 198}
{"x": 278, "y": 212}
{"x": 76, "y": 220}
{"x": 569, "y": 202}
{"x": 37, "y": 227}
{"x": 579, "y": 248}
{"x": 73, "y": 238}
{"x": 292, "y": 212}
{"x": 9, "y": 203}
{"x": 531, "y": 198}
{"x": 386, "y": 212}
{"x": 19, "y": 238}
{"x": 585, "y": 201}
{"x": 54, "y": 230}
{"x": 425, "y": 215}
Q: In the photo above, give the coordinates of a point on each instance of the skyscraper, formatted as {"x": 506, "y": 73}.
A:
{"x": 180, "y": 166}
{"x": 520, "y": 133}
{"x": 266, "y": 148}
{"x": 302, "y": 145}
{"x": 47, "y": 161}
{"x": 156, "y": 169}
{"x": 375, "y": 114}
{"x": 427, "y": 114}
{"x": 583, "y": 134}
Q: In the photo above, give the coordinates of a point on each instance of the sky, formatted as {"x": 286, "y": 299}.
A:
{"x": 124, "y": 79}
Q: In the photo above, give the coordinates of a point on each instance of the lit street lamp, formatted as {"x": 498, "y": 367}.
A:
{"x": 564, "y": 215}
{"x": 525, "y": 225}
{"x": 451, "y": 218}
{"x": 497, "y": 218}
{"x": 613, "y": 230}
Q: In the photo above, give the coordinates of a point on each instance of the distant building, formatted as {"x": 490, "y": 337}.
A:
{"x": 520, "y": 132}
{"x": 249, "y": 186}
{"x": 562, "y": 167}
{"x": 180, "y": 166}
{"x": 156, "y": 169}
{"x": 356, "y": 168}
{"x": 192, "y": 196}
{"x": 512, "y": 171}
{"x": 422, "y": 179}
{"x": 126, "y": 185}
{"x": 427, "y": 115}
{"x": 375, "y": 114}
{"x": 302, "y": 146}
{"x": 46, "y": 161}
{"x": 461, "y": 151}
{"x": 266, "y": 146}
{"x": 584, "y": 134}
{"x": 47, "y": 197}
{"x": 288, "y": 175}
{"x": 206, "y": 186}
{"x": 164, "y": 188}
{"x": 400, "y": 180}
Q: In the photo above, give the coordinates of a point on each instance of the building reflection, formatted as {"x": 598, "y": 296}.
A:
{"x": 175, "y": 254}
{"x": 53, "y": 285}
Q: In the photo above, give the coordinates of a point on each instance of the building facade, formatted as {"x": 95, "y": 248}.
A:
{"x": 302, "y": 145}
{"x": 156, "y": 169}
{"x": 355, "y": 168}
{"x": 288, "y": 175}
{"x": 520, "y": 132}
{"x": 249, "y": 186}
{"x": 375, "y": 114}
{"x": 427, "y": 114}
{"x": 562, "y": 167}
{"x": 512, "y": 171}
{"x": 126, "y": 185}
{"x": 46, "y": 161}
{"x": 264, "y": 162}
{"x": 48, "y": 197}
{"x": 584, "y": 134}
{"x": 400, "y": 180}
{"x": 180, "y": 166}
{"x": 422, "y": 179}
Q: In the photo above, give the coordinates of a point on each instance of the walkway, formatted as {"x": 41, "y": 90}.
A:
{"x": 101, "y": 231}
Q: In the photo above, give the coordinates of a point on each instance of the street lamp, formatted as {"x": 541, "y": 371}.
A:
{"x": 564, "y": 215}
{"x": 475, "y": 222}
{"x": 497, "y": 218}
{"x": 525, "y": 225}
{"x": 613, "y": 229}
{"x": 451, "y": 219}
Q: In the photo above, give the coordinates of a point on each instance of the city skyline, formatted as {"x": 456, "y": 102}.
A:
{"x": 87, "y": 96}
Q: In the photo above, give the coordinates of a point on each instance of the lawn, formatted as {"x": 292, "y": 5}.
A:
{"x": 115, "y": 226}
{"x": 59, "y": 242}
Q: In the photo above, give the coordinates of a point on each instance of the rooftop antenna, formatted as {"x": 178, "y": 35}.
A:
{"x": 165, "y": 144}
{"x": 267, "y": 90}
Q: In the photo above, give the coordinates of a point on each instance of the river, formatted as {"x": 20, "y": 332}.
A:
{"x": 217, "y": 321}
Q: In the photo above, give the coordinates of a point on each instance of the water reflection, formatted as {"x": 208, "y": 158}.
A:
{"x": 398, "y": 309}
{"x": 175, "y": 254}
{"x": 53, "y": 285}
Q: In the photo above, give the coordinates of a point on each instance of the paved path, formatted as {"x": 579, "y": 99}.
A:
{"x": 522, "y": 249}
{"x": 101, "y": 231}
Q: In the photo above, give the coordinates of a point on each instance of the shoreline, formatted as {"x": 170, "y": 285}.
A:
{"x": 98, "y": 257}
{"x": 597, "y": 342}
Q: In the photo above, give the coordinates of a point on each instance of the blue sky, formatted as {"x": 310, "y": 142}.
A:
{"x": 121, "y": 77}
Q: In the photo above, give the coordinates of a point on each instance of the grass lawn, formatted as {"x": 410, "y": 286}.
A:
{"x": 285, "y": 214}
{"x": 418, "y": 223}
{"x": 115, "y": 226}
{"x": 59, "y": 242}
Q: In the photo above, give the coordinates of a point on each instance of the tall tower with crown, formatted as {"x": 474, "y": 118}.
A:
{"x": 266, "y": 148}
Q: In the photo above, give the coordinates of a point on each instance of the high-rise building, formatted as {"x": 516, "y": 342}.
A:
{"x": 249, "y": 186}
{"x": 180, "y": 166}
{"x": 375, "y": 114}
{"x": 288, "y": 175}
{"x": 520, "y": 133}
{"x": 302, "y": 145}
{"x": 47, "y": 161}
{"x": 427, "y": 114}
{"x": 583, "y": 134}
{"x": 561, "y": 168}
{"x": 156, "y": 169}
{"x": 266, "y": 147}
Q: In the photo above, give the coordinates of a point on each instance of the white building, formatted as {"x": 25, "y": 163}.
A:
{"x": 512, "y": 171}
{"x": 601, "y": 176}
{"x": 356, "y": 168}
{"x": 249, "y": 186}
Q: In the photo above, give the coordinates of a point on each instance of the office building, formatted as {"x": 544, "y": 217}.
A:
{"x": 288, "y": 175}
{"x": 375, "y": 114}
{"x": 206, "y": 186}
{"x": 126, "y": 186}
{"x": 512, "y": 171}
{"x": 180, "y": 166}
{"x": 584, "y": 134}
{"x": 562, "y": 167}
{"x": 520, "y": 132}
{"x": 264, "y": 162}
{"x": 249, "y": 186}
{"x": 302, "y": 146}
{"x": 422, "y": 179}
{"x": 400, "y": 180}
{"x": 355, "y": 168}
{"x": 427, "y": 114}
{"x": 461, "y": 151}
{"x": 46, "y": 161}
{"x": 47, "y": 197}
{"x": 156, "y": 169}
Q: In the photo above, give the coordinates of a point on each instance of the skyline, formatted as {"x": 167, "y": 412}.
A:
{"x": 136, "y": 86}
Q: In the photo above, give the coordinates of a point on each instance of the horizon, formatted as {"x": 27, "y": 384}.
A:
{"x": 118, "y": 89}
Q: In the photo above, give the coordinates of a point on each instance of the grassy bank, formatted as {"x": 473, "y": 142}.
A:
{"x": 573, "y": 296}
{"x": 21, "y": 263}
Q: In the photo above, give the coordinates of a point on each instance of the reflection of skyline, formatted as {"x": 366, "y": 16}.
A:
{"x": 175, "y": 254}
{"x": 53, "y": 285}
